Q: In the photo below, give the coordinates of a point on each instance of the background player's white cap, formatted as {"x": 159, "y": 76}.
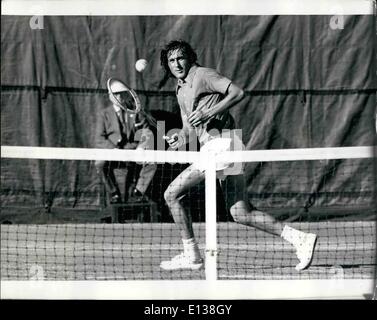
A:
{"x": 115, "y": 85}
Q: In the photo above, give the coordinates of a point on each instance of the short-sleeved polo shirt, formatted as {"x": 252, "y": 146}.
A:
{"x": 201, "y": 90}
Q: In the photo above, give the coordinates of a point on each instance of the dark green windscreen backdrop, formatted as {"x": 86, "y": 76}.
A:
{"x": 307, "y": 85}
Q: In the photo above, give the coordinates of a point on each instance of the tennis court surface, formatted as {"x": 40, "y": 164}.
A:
{"x": 345, "y": 250}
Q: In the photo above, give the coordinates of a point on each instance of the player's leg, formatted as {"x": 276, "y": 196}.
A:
{"x": 190, "y": 258}
{"x": 173, "y": 194}
{"x": 244, "y": 213}
{"x": 105, "y": 169}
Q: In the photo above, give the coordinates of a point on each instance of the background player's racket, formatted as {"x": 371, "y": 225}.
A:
{"x": 131, "y": 102}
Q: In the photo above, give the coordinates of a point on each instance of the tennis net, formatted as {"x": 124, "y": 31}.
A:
{"x": 58, "y": 222}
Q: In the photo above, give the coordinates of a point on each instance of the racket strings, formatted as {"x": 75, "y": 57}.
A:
{"x": 151, "y": 120}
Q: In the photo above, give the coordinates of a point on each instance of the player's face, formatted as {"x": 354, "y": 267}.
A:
{"x": 179, "y": 64}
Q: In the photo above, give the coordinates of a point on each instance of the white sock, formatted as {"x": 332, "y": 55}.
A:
{"x": 191, "y": 248}
{"x": 292, "y": 235}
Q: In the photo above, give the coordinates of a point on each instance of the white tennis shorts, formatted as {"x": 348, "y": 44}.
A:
{"x": 216, "y": 146}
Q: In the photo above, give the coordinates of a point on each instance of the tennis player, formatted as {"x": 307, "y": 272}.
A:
{"x": 205, "y": 97}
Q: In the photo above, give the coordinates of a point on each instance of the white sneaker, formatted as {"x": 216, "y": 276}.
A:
{"x": 181, "y": 262}
{"x": 305, "y": 250}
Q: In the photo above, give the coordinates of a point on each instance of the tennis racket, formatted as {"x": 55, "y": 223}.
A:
{"x": 130, "y": 100}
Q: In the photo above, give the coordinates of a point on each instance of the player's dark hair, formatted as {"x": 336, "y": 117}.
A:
{"x": 172, "y": 46}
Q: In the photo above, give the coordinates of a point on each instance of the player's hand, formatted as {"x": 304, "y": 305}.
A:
{"x": 197, "y": 117}
{"x": 175, "y": 141}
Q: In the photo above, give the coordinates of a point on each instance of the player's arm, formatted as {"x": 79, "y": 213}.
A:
{"x": 233, "y": 95}
{"x": 185, "y": 135}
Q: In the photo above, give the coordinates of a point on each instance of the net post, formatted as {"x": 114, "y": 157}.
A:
{"x": 210, "y": 217}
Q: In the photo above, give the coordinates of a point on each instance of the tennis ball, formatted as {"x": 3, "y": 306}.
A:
{"x": 141, "y": 64}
